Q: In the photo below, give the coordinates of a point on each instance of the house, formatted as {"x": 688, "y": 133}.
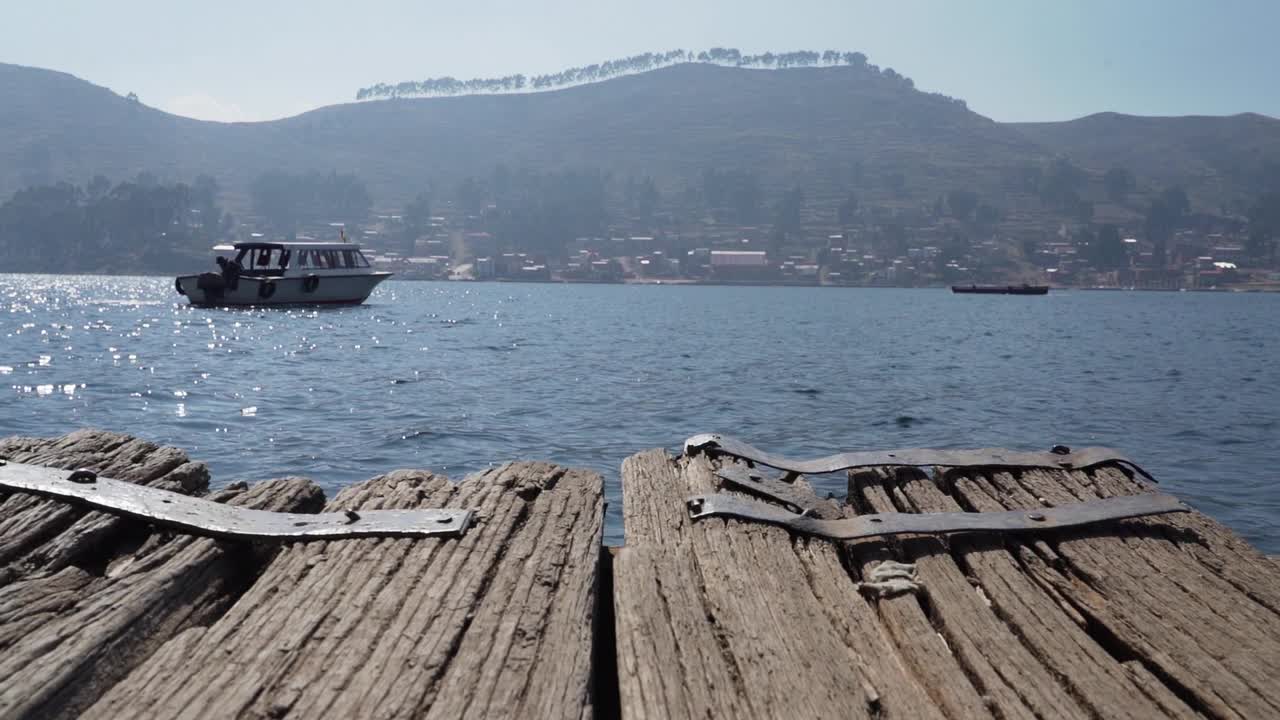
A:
{"x": 741, "y": 265}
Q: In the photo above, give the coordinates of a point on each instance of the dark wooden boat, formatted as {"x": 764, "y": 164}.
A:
{"x": 1001, "y": 289}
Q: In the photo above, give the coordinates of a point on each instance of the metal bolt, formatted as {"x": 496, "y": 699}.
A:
{"x": 83, "y": 477}
{"x": 1060, "y": 450}
{"x": 445, "y": 520}
{"x": 1036, "y": 516}
{"x": 875, "y": 519}
{"x": 3, "y": 462}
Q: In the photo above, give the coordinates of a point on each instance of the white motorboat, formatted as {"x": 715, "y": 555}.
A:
{"x": 284, "y": 273}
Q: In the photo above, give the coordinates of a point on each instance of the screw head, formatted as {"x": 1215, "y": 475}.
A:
{"x": 1036, "y": 516}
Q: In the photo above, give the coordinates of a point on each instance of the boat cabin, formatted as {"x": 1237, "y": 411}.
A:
{"x": 268, "y": 259}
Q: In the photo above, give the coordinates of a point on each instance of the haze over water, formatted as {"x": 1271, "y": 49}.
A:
{"x": 453, "y": 377}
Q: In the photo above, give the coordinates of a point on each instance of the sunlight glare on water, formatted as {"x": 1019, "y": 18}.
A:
{"x": 456, "y": 376}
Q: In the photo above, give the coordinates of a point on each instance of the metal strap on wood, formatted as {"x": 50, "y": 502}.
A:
{"x": 880, "y": 524}
{"x": 1059, "y": 458}
{"x": 739, "y": 477}
{"x": 196, "y": 516}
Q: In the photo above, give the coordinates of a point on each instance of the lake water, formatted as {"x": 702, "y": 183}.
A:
{"x": 453, "y": 377}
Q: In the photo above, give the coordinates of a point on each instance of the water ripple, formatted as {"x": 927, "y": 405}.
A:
{"x": 454, "y": 377}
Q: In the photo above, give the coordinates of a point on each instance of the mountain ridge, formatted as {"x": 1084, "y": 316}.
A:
{"x": 828, "y": 129}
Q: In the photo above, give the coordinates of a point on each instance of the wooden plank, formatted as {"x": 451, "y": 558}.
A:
{"x": 1152, "y": 597}
{"x": 1027, "y": 649}
{"x": 725, "y": 618}
{"x": 1162, "y": 596}
{"x": 497, "y": 623}
{"x": 110, "y": 592}
{"x": 37, "y": 534}
{"x": 1154, "y": 617}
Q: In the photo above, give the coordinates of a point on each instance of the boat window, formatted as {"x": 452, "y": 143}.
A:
{"x": 349, "y": 258}
{"x": 361, "y": 261}
{"x": 264, "y": 258}
{"x": 284, "y": 258}
{"x": 331, "y": 257}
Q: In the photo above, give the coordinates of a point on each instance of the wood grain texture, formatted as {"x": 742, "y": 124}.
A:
{"x": 1149, "y": 617}
{"x": 725, "y": 618}
{"x": 1170, "y": 616}
{"x": 1155, "y": 590}
{"x": 79, "y": 616}
{"x": 1028, "y": 650}
{"x": 495, "y": 624}
{"x": 39, "y": 534}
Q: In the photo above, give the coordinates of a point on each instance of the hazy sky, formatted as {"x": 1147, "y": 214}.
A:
{"x": 1011, "y": 60}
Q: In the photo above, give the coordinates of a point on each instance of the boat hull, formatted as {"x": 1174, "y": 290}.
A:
{"x": 1000, "y": 289}
{"x": 327, "y": 290}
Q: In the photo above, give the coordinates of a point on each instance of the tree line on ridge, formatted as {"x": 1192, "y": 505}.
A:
{"x": 730, "y": 57}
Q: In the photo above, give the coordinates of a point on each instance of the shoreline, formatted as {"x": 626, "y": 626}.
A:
{"x": 685, "y": 282}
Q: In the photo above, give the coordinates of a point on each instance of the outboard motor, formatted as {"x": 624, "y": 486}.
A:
{"x": 211, "y": 284}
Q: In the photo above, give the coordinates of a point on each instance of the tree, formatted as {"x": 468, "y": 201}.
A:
{"x": 1106, "y": 251}
{"x": 1264, "y": 226}
{"x": 731, "y": 57}
{"x": 1082, "y": 210}
{"x": 1175, "y": 198}
{"x": 1119, "y": 182}
{"x": 787, "y": 218}
{"x": 1161, "y": 221}
{"x": 417, "y": 220}
{"x": 98, "y": 187}
{"x": 848, "y": 210}
{"x": 128, "y": 226}
{"x": 647, "y": 198}
{"x": 733, "y": 195}
{"x": 962, "y": 203}
{"x": 1060, "y": 184}
{"x": 470, "y": 196}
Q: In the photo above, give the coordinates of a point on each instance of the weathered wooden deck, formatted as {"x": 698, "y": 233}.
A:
{"x": 527, "y": 616}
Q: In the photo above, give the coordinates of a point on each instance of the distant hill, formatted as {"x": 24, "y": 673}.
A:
{"x": 823, "y": 128}
{"x": 826, "y": 129}
{"x": 1218, "y": 160}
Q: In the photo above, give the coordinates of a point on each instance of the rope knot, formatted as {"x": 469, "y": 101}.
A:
{"x": 889, "y": 579}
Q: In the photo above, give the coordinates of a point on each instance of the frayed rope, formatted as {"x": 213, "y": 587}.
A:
{"x": 890, "y": 578}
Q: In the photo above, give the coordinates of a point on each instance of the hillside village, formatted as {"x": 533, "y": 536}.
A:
{"x": 1207, "y": 252}
{"x": 846, "y": 256}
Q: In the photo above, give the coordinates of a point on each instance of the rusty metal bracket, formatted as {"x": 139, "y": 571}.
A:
{"x": 197, "y": 516}
{"x": 779, "y": 490}
{"x": 1060, "y": 457}
{"x": 880, "y": 524}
